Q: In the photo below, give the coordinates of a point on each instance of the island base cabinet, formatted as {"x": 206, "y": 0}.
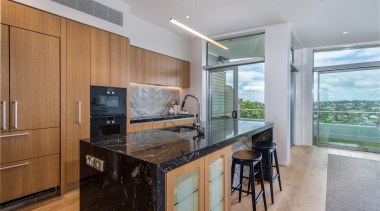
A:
{"x": 203, "y": 184}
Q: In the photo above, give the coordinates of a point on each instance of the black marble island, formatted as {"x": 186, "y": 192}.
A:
{"x": 135, "y": 165}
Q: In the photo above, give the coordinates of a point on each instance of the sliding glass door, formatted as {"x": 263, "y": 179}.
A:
{"x": 237, "y": 92}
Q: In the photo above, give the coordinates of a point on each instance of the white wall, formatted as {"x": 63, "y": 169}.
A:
{"x": 307, "y": 97}
{"x": 277, "y": 86}
{"x": 141, "y": 33}
{"x": 198, "y": 84}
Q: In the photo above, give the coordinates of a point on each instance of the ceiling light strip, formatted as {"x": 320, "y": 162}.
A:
{"x": 197, "y": 33}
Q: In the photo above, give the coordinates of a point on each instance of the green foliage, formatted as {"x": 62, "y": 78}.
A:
{"x": 251, "y": 110}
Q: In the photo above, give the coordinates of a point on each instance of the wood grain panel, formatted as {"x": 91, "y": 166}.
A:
{"x": 100, "y": 57}
{"x": 183, "y": 74}
{"x": 30, "y": 144}
{"x": 137, "y": 65}
{"x": 118, "y": 55}
{"x": 225, "y": 154}
{"x": 171, "y": 71}
{"x": 35, "y": 79}
{"x": 4, "y": 78}
{"x": 78, "y": 90}
{"x": 170, "y": 183}
{"x": 21, "y": 16}
{"x": 31, "y": 176}
{"x": 63, "y": 186}
{"x": 139, "y": 127}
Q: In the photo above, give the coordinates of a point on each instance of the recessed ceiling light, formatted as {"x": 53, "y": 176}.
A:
{"x": 345, "y": 32}
{"x": 187, "y": 16}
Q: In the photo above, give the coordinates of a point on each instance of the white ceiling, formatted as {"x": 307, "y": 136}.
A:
{"x": 315, "y": 23}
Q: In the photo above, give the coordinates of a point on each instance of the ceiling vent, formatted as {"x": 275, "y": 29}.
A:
{"x": 95, "y": 9}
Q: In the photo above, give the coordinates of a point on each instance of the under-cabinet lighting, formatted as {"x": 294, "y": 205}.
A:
{"x": 197, "y": 33}
{"x": 157, "y": 86}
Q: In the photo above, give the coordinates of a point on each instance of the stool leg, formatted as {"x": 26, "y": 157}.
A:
{"x": 261, "y": 179}
{"x": 252, "y": 181}
{"x": 277, "y": 169}
{"x": 241, "y": 180}
{"x": 232, "y": 176}
{"x": 249, "y": 180}
{"x": 270, "y": 168}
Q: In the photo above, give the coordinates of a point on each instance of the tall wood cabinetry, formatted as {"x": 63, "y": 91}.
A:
{"x": 108, "y": 59}
{"x": 203, "y": 184}
{"x": 30, "y": 101}
{"x": 78, "y": 64}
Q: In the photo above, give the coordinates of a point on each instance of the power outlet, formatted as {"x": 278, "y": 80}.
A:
{"x": 95, "y": 163}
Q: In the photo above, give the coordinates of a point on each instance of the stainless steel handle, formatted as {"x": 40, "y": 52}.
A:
{"x": 4, "y": 115}
{"x": 16, "y": 114}
{"x": 14, "y": 166}
{"x": 79, "y": 112}
{"x": 14, "y": 135}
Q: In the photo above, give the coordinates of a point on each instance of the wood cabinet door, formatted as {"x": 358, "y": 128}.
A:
{"x": 21, "y": 16}
{"x": 4, "y": 79}
{"x": 78, "y": 93}
{"x": 100, "y": 58}
{"x": 183, "y": 73}
{"x": 118, "y": 56}
{"x": 154, "y": 73}
{"x": 34, "y": 80}
{"x": 185, "y": 187}
{"x": 137, "y": 65}
{"x": 218, "y": 180}
{"x": 170, "y": 71}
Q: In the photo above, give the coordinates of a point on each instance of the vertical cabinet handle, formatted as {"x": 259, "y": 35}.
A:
{"x": 16, "y": 114}
{"x": 4, "y": 115}
{"x": 79, "y": 112}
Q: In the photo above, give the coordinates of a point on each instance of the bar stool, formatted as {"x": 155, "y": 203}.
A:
{"x": 251, "y": 159}
{"x": 269, "y": 149}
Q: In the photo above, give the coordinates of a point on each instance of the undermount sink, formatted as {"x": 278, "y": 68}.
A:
{"x": 180, "y": 129}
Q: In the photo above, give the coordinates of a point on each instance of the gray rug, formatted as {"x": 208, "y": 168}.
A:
{"x": 352, "y": 184}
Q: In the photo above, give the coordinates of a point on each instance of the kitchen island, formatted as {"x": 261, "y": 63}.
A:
{"x": 164, "y": 168}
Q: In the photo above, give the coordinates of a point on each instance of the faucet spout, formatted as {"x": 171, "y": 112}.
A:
{"x": 198, "y": 123}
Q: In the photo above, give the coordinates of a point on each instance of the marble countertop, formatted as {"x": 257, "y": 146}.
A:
{"x": 142, "y": 119}
{"x": 163, "y": 147}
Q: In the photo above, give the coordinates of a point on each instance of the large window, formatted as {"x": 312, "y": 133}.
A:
{"x": 347, "y": 98}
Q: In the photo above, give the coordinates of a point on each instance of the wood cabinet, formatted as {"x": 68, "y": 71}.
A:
{"x": 108, "y": 59}
{"x": 148, "y": 67}
{"x": 78, "y": 93}
{"x": 218, "y": 180}
{"x": 203, "y": 184}
{"x": 183, "y": 74}
{"x": 137, "y": 65}
{"x": 16, "y": 146}
{"x": 20, "y": 16}
{"x": 4, "y": 77}
{"x": 159, "y": 124}
{"x": 25, "y": 177}
{"x": 185, "y": 187}
{"x": 34, "y": 80}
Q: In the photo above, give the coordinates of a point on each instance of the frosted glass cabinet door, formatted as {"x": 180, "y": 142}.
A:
{"x": 217, "y": 180}
{"x": 185, "y": 187}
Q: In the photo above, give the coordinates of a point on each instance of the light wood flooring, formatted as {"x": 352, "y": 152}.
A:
{"x": 303, "y": 182}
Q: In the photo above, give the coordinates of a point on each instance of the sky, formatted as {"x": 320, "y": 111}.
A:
{"x": 353, "y": 85}
{"x": 251, "y": 82}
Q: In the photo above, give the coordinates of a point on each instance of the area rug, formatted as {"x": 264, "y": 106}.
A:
{"x": 352, "y": 184}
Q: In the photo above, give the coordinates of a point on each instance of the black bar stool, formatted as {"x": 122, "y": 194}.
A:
{"x": 269, "y": 149}
{"x": 251, "y": 159}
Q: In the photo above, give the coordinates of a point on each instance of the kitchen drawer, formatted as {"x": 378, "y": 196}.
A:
{"x": 21, "y": 145}
{"x": 139, "y": 127}
{"x": 25, "y": 177}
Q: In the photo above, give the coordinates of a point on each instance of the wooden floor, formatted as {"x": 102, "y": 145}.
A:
{"x": 303, "y": 183}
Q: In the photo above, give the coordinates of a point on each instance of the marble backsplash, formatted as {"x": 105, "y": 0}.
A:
{"x": 151, "y": 101}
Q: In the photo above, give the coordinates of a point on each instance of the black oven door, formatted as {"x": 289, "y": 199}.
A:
{"x": 107, "y": 101}
{"x": 103, "y": 126}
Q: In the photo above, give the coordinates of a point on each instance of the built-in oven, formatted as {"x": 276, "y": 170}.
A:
{"x": 102, "y": 126}
{"x": 108, "y": 112}
{"x": 106, "y": 101}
